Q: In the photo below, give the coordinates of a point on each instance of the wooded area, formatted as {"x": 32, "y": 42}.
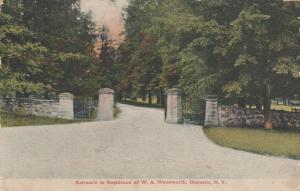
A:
{"x": 244, "y": 51}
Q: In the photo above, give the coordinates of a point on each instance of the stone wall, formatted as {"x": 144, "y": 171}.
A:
{"x": 230, "y": 116}
{"x": 286, "y": 120}
{"x": 37, "y": 107}
{"x": 40, "y": 107}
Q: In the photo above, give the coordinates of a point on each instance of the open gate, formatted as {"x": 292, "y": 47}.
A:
{"x": 85, "y": 108}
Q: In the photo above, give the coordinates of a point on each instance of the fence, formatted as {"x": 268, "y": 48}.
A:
{"x": 85, "y": 108}
{"x": 181, "y": 108}
{"x": 193, "y": 110}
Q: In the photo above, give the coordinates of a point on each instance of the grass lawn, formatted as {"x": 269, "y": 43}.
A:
{"x": 9, "y": 119}
{"x": 275, "y": 143}
{"x": 14, "y": 119}
{"x": 284, "y": 107}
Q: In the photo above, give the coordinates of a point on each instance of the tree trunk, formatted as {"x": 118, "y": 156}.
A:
{"x": 267, "y": 107}
{"x": 144, "y": 96}
{"x": 242, "y": 103}
{"x": 158, "y": 97}
{"x": 258, "y": 106}
{"x": 150, "y": 98}
{"x": 163, "y": 99}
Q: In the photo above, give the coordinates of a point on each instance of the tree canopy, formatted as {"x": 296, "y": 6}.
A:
{"x": 243, "y": 51}
{"x": 60, "y": 38}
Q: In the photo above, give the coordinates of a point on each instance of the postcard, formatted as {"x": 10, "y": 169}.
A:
{"x": 149, "y": 95}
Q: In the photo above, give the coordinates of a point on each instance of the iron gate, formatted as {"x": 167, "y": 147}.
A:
{"x": 193, "y": 110}
{"x": 85, "y": 108}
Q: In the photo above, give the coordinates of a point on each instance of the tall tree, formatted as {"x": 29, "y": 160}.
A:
{"x": 264, "y": 40}
{"x": 21, "y": 58}
{"x": 66, "y": 32}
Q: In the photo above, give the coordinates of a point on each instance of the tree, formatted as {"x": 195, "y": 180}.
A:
{"x": 264, "y": 39}
{"x": 66, "y": 32}
{"x": 21, "y": 55}
{"x": 144, "y": 62}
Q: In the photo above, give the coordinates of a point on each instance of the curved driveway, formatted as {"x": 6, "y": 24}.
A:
{"x": 136, "y": 145}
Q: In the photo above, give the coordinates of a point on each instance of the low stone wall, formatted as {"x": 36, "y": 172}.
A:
{"x": 44, "y": 108}
{"x": 62, "y": 108}
{"x": 283, "y": 119}
{"x": 37, "y": 107}
{"x": 230, "y": 116}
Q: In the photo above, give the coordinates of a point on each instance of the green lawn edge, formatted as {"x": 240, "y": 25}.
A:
{"x": 9, "y": 119}
{"x": 264, "y": 142}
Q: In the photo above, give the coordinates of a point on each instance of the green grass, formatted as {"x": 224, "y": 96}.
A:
{"x": 284, "y": 107}
{"x": 9, "y": 119}
{"x": 140, "y": 104}
{"x": 268, "y": 142}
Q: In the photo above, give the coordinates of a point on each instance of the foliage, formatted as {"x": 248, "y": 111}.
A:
{"x": 54, "y": 37}
{"x": 21, "y": 58}
{"x": 246, "y": 51}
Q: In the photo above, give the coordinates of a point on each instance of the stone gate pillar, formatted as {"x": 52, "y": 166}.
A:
{"x": 211, "y": 111}
{"x": 66, "y": 105}
{"x": 106, "y": 104}
{"x": 174, "y": 107}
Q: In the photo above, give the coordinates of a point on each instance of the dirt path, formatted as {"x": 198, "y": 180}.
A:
{"x": 136, "y": 145}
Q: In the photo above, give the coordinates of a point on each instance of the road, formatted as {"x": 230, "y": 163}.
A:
{"x": 138, "y": 144}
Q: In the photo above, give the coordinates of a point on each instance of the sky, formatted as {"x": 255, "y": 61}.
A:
{"x": 105, "y": 12}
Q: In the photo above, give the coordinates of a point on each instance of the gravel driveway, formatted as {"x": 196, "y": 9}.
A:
{"x": 136, "y": 145}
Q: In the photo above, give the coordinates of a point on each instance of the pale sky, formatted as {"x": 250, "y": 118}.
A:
{"x": 105, "y": 12}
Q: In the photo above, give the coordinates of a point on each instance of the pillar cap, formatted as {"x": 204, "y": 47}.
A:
{"x": 211, "y": 97}
{"x": 66, "y": 96}
{"x": 106, "y": 91}
{"x": 174, "y": 91}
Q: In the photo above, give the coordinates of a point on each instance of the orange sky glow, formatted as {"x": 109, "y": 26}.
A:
{"x": 105, "y": 12}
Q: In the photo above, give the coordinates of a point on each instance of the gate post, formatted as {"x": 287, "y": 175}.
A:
{"x": 66, "y": 105}
{"x": 174, "y": 107}
{"x": 106, "y": 105}
{"x": 211, "y": 111}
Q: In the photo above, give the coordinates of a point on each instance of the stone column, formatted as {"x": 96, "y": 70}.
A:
{"x": 211, "y": 111}
{"x": 66, "y": 105}
{"x": 106, "y": 105}
{"x": 174, "y": 107}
